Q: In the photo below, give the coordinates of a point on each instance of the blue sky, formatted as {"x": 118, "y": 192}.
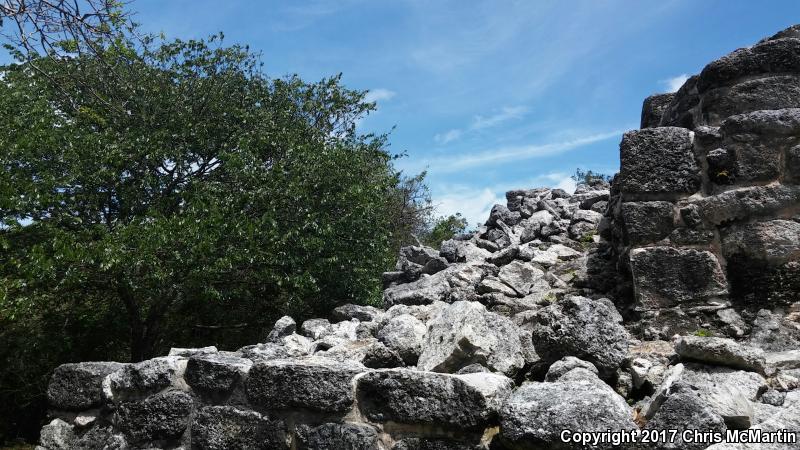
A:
{"x": 488, "y": 96}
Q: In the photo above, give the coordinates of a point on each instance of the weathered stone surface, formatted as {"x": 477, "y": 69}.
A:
{"x": 520, "y": 276}
{"x": 465, "y": 333}
{"x": 532, "y": 225}
{"x": 370, "y": 352}
{"x": 315, "y": 383}
{"x": 146, "y": 377}
{"x": 404, "y": 334}
{"x": 721, "y": 352}
{"x": 768, "y": 93}
{"x": 315, "y": 328}
{"x": 565, "y": 364}
{"x": 773, "y": 241}
{"x": 344, "y": 436}
{"x": 658, "y": 161}
{"x": 413, "y": 397}
{"x": 745, "y": 202}
{"x": 285, "y": 326}
{"x": 501, "y": 212}
{"x": 666, "y": 276}
{"x": 460, "y": 251}
{"x": 426, "y": 290}
{"x": 535, "y": 414}
{"x": 774, "y": 332}
{"x": 187, "y": 352}
{"x": 163, "y": 416}
{"x": 228, "y": 427}
{"x": 59, "y": 435}
{"x": 590, "y": 330}
{"x": 684, "y": 410}
{"x": 647, "y": 222}
{"x": 653, "y": 109}
{"x": 216, "y": 372}
{"x": 78, "y": 386}
{"x": 730, "y": 393}
{"x": 776, "y": 56}
{"x": 350, "y": 311}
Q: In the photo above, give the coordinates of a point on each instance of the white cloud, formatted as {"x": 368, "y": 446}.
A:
{"x": 473, "y": 203}
{"x": 448, "y": 136}
{"x": 455, "y": 162}
{"x": 675, "y": 83}
{"x": 506, "y": 114}
{"x": 376, "y": 95}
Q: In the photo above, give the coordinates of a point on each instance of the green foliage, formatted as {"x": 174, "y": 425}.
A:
{"x": 702, "y": 332}
{"x": 444, "y": 228}
{"x": 588, "y": 177}
{"x": 168, "y": 194}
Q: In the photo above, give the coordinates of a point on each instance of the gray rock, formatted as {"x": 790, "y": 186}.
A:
{"x": 265, "y": 352}
{"x": 315, "y": 383}
{"x": 566, "y": 364}
{"x": 533, "y": 224}
{"x": 465, "y": 333}
{"x": 404, "y": 334}
{"x": 434, "y": 444}
{"x": 143, "y": 378}
{"x": 59, "y": 435}
{"x": 163, "y": 416}
{"x": 216, "y": 373}
{"x": 653, "y": 109}
{"x": 730, "y": 393}
{"x": 316, "y": 328}
{"x": 187, "y": 352}
{"x": 685, "y": 410}
{"x": 500, "y": 212}
{"x": 744, "y": 202}
{"x": 777, "y": 56}
{"x": 79, "y": 386}
{"x": 491, "y": 285}
{"x": 665, "y": 276}
{"x": 535, "y": 414}
{"x": 722, "y": 352}
{"x": 344, "y": 436}
{"x": 461, "y": 251}
{"x": 647, "y": 222}
{"x": 228, "y": 427}
{"x": 585, "y": 215}
{"x": 360, "y": 312}
{"x": 587, "y": 329}
{"x": 413, "y": 397}
{"x": 773, "y": 332}
{"x": 658, "y": 160}
{"x": 520, "y": 276}
{"x": 370, "y": 352}
{"x": 773, "y": 397}
{"x": 285, "y": 326}
{"x": 767, "y": 93}
{"x": 426, "y": 290}
{"x": 773, "y": 241}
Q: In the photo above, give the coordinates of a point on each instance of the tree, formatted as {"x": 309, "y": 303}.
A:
{"x": 445, "y": 228}
{"x": 157, "y": 194}
{"x": 588, "y": 177}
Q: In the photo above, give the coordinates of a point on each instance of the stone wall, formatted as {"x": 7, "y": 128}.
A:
{"x": 552, "y": 316}
{"x": 706, "y": 211}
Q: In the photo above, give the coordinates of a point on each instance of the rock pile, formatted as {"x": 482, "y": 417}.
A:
{"x": 665, "y": 301}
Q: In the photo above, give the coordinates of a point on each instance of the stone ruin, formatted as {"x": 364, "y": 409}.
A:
{"x": 668, "y": 300}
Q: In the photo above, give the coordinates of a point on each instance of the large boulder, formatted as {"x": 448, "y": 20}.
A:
{"x": 404, "y": 334}
{"x": 722, "y": 352}
{"x": 413, "y": 397}
{"x": 344, "y": 436}
{"x": 163, "y": 416}
{"x": 78, "y": 386}
{"x": 536, "y": 415}
{"x": 577, "y": 326}
{"x": 314, "y": 383}
{"x": 684, "y": 410}
{"x": 228, "y": 427}
{"x": 216, "y": 373}
{"x": 143, "y": 378}
{"x": 659, "y": 161}
{"x": 666, "y": 276}
{"x": 426, "y": 290}
{"x": 361, "y": 312}
{"x": 647, "y": 222}
{"x": 465, "y": 333}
